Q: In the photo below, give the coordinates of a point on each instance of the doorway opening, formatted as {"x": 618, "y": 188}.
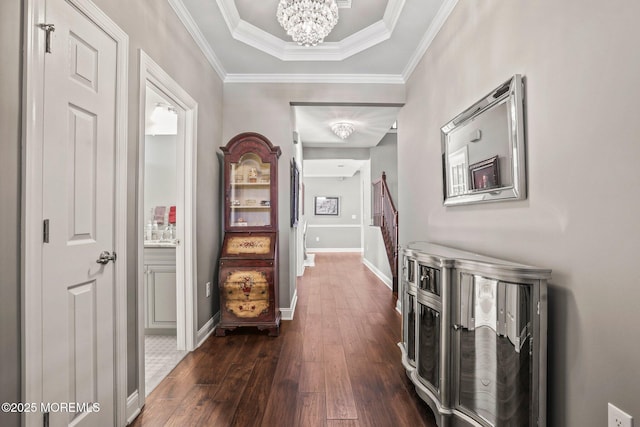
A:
{"x": 161, "y": 239}
{"x": 166, "y": 249}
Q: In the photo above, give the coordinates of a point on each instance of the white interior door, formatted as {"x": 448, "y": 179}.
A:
{"x": 78, "y": 200}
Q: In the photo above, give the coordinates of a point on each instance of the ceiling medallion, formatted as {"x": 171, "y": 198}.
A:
{"x": 308, "y": 22}
{"x": 342, "y": 129}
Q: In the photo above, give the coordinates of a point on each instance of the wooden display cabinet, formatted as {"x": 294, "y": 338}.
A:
{"x": 248, "y": 273}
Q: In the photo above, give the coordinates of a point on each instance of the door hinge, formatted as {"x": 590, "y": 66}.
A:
{"x": 45, "y": 419}
{"x": 45, "y": 231}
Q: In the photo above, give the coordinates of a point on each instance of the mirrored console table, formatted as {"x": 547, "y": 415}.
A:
{"x": 474, "y": 339}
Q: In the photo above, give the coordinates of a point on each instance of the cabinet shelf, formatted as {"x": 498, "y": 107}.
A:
{"x": 250, "y": 184}
{"x": 246, "y": 207}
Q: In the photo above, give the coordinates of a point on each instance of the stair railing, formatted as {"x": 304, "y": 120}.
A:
{"x": 385, "y": 216}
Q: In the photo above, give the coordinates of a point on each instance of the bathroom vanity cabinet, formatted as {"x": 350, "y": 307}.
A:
{"x": 474, "y": 339}
{"x": 160, "y": 288}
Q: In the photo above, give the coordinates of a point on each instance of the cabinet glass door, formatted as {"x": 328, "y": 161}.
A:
{"x": 410, "y": 327}
{"x": 494, "y": 344}
{"x": 429, "y": 345}
{"x": 410, "y": 270}
{"x": 429, "y": 279}
{"x": 250, "y": 192}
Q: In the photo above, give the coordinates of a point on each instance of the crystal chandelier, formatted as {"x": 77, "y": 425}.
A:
{"x": 342, "y": 129}
{"x": 308, "y": 22}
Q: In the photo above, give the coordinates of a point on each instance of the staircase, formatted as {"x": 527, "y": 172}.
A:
{"x": 385, "y": 216}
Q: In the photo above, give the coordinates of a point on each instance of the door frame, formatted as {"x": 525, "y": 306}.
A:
{"x": 32, "y": 193}
{"x": 152, "y": 73}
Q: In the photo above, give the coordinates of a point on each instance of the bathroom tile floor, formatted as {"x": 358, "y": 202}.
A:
{"x": 310, "y": 261}
{"x": 160, "y": 357}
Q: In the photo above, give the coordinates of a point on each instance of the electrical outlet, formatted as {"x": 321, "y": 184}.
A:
{"x": 317, "y": 239}
{"x": 207, "y": 288}
{"x": 618, "y": 418}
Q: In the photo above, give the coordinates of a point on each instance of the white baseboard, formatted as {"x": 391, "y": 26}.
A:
{"x": 207, "y": 329}
{"x": 399, "y": 306}
{"x": 312, "y": 250}
{"x": 287, "y": 313}
{"x": 386, "y": 280}
{"x": 133, "y": 407}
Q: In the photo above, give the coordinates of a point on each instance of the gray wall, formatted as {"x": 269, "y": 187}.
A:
{"x": 384, "y": 158}
{"x": 312, "y": 153}
{"x": 581, "y": 62}
{"x": 160, "y": 181}
{"x": 154, "y": 27}
{"x": 324, "y": 227}
{"x": 10, "y": 36}
{"x": 265, "y": 108}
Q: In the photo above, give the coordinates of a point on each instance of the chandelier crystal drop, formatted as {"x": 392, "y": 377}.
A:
{"x": 308, "y": 22}
{"x": 342, "y": 129}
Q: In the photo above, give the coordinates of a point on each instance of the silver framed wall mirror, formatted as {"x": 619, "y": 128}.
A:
{"x": 483, "y": 149}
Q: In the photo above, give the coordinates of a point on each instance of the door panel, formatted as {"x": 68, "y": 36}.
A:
{"x": 83, "y": 344}
{"x": 78, "y": 199}
{"x": 81, "y": 179}
{"x": 83, "y": 62}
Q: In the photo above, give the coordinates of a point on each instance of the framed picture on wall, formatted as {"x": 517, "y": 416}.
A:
{"x": 295, "y": 193}
{"x": 324, "y": 205}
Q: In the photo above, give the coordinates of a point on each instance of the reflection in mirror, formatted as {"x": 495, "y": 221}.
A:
{"x": 495, "y": 341}
{"x": 483, "y": 149}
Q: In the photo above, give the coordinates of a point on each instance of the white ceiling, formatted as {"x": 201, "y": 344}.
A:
{"x": 374, "y": 40}
{"x": 371, "y": 123}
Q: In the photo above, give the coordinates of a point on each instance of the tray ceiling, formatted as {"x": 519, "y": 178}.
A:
{"x": 374, "y": 41}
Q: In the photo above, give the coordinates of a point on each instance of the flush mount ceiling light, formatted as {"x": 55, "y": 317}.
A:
{"x": 308, "y": 22}
{"x": 342, "y": 129}
{"x": 163, "y": 120}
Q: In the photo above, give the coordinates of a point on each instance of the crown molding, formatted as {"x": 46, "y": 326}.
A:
{"x": 316, "y": 78}
{"x": 366, "y": 38}
{"x": 230, "y": 14}
{"x": 438, "y": 21}
{"x": 266, "y": 42}
{"x": 392, "y": 13}
{"x": 191, "y": 26}
{"x": 325, "y": 52}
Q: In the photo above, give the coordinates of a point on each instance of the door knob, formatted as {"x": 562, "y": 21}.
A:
{"x": 105, "y": 257}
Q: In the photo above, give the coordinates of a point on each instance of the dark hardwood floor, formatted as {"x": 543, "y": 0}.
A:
{"x": 335, "y": 365}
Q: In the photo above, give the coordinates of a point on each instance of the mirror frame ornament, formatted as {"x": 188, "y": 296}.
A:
{"x": 511, "y": 92}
